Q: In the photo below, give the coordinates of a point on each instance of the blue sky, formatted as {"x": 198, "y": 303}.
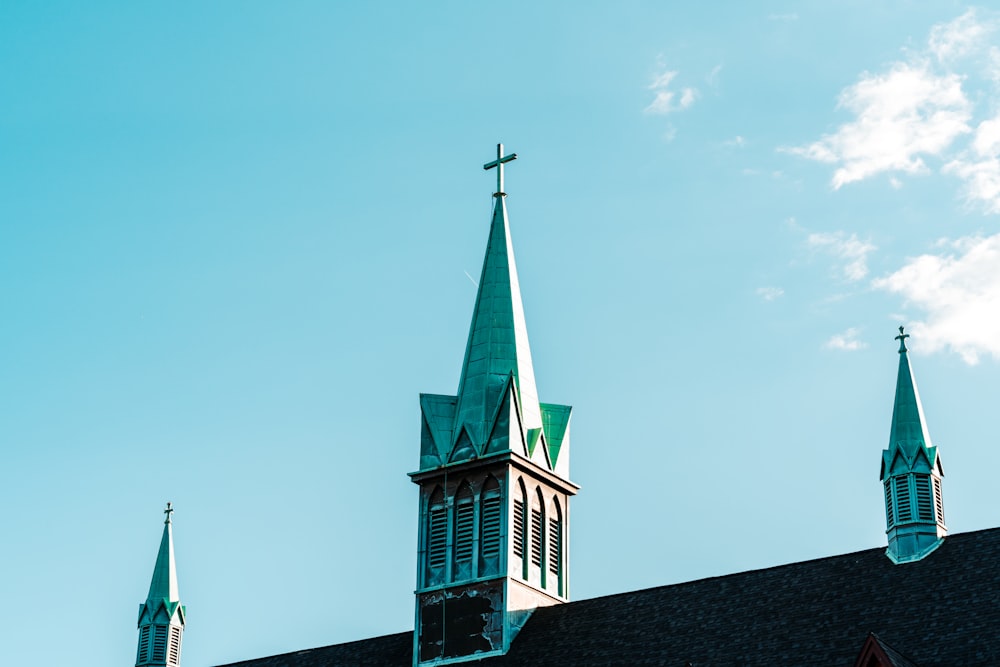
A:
{"x": 234, "y": 247}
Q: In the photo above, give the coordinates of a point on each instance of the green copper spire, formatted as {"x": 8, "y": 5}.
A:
{"x": 164, "y": 583}
{"x": 494, "y": 479}
{"x": 498, "y": 340}
{"x": 911, "y": 473}
{"x": 162, "y": 616}
{"x": 909, "y": 430}
{"x": 496, "y": 409}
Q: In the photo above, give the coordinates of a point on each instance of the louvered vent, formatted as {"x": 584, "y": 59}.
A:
{"x": 536, "y": 537}
{"x": 464, "y": 515}
{"x": 143, "y": 656}
{"x": 938, "y": 503}
{"x": 491, "y": 526}
{"x": 890, "y": 518}
{"x": 437, "y": 541}
{"x": 159, "y": 643}
{"x": 519, "y": 528}
{"x": 925, "y": 510}
{"x": 555, "y": 545}
{"x": 903, "y": 511}
{"x": 174, "y": 647}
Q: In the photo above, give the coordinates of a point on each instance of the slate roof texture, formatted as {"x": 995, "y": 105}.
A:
{"x": 941, "y": 611}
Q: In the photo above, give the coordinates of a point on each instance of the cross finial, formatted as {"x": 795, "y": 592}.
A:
{"x": 499, "y": 163}
{"x": 168, "y": 512}
{"x": 902, "y": 340}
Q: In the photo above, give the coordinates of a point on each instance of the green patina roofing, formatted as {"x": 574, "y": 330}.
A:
{"x": 555, "y": 420}
{"x": 497, "y": 385}
{"x": 498, "y": 341}
{"x": 908, "y": 435}
{"x": 164, "y": 583}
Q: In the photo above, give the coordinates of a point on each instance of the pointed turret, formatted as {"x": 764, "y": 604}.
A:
{"x": 498, "y": 341}
{"x": 162, "y": 616}
{"x": 911, "y": 473}
{"x": 494, "y": 479}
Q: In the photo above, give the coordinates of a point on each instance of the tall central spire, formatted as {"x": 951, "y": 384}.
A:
{"x": 162, "y": 616}
{"x": 494, "y": 479}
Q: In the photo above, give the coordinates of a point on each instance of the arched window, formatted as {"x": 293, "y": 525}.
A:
{"x": 159, "y": 643}
{"x": 464, "y": 523}
{"x": 938, "y": 503}
{"x": 437, "y": 534}
{"x": 556, "y": 546}
{"x": 144, "y": 648}
{"x": 174, "y": 648}
{"x": 902, "y": 487}
{"x": 890, "y": 515}
{"x": 490, "y": 519}
{"x": 520, "y": 524}
{"x": 925, "y": 505}
{"x": 538, "y": 533}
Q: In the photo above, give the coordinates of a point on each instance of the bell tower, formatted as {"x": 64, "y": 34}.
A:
{"x": 911, "y": 474}
{"x": 162, "y": 616}
{"x": 494, "y": 479}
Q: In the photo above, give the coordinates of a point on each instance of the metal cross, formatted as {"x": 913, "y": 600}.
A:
{"x": 168, "y": 512}
{"x": 902, "y": 339}
{"x": 499, "y": 163}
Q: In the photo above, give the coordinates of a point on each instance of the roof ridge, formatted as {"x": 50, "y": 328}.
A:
{"x": 879, "y": 550}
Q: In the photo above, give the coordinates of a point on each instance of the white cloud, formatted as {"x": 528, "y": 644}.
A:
{"x": 769, "y": 293}
{"x": 736, "y": 142}
{"x": 847, "y": 341}
{"x": 899, "y": 116}
{"x": 961, "y": 37}
{"x": 853, "y": 251}
{"x": 665, "y": 99}
{"x": 959, "y": 292}
{"x": 909, "y": 117}
{"x": 979, "y": 166}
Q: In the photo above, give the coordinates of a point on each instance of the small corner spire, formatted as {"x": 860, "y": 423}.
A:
{"x": 902, "y": 340}
{"x": 168, "y": 512}
{"x": 499, "y": 163}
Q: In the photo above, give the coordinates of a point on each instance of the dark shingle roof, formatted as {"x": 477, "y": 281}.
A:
{"x": 941, "y": 611}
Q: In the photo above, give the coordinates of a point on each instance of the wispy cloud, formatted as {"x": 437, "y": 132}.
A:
{"x": 847, "y": 341}
{"x": 959, "y": 292}
{"x": 668, "y": 99}
{"x": 967, "y": 34}
{"x": 911, "y": 116}
{"x": 736, "y": 142}
{"x": 713, "y": 77}
{"x": 769, "y": 293}
{"x": 850, "y": 249}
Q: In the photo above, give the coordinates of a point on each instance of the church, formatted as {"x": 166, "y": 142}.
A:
{"x": 493, "y": 583}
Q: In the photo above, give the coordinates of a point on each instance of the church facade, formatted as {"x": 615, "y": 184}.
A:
{"x": 493, "y": 557}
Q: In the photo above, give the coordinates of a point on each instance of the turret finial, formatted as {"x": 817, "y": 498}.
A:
{"x": 902, "y": 340}
{"x": 168, "y": 512}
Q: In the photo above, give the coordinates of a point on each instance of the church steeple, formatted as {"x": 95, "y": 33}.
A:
{"x": 911, "y": 473}
{"x": 162, "y": 616}
{"x": 494, "y": 479}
